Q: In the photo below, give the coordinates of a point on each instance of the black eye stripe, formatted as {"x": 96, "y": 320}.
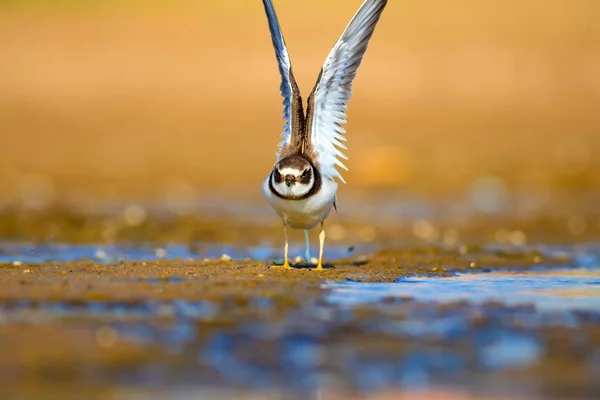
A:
{"x": 306, "y": 176}
{"x": 277, "y": 176}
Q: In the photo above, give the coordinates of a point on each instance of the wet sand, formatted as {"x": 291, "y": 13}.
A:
{"x": 182, "y": 327}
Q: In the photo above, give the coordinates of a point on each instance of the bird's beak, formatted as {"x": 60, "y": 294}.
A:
{"x": 290, "y": 180}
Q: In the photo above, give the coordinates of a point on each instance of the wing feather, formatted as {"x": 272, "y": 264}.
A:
{"x": 328, "y": 101}
{"x": 293, "y": 113}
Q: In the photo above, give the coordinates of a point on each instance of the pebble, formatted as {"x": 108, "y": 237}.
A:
{"x": 225, "y": 257}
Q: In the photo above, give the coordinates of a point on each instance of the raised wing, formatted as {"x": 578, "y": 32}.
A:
{"x": 293, "y": 112}
{"x": 326, "y": 110}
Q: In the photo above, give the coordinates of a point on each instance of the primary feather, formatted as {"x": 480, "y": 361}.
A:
{"x": 293, "y": 113}
{"x": 327, "y": 103}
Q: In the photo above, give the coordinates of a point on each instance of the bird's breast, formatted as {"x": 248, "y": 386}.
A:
{"x": 305, "y": 213}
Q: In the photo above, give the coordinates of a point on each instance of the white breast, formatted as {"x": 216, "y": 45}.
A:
{"x": 307, "y": 213}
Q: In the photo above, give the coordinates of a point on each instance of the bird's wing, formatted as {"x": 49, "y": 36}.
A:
{"x": 293, "y": 113}
{"x": 328, "y": 101}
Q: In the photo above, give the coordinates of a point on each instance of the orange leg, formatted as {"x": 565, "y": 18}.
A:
{"x": 286, "y": 264}
{"x": 321, "y": 245}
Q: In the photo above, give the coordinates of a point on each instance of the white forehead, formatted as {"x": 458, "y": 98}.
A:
{"x": 290, "y": 171}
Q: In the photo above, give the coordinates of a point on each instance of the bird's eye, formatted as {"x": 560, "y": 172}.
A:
{"x": 305, "y": 173}
{"x": 277, "y": 175}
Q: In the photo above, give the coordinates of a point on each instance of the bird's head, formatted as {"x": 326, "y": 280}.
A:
{"x": 293, "y": 176}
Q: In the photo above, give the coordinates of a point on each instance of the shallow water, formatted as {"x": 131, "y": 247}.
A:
{"x": 546, "y": 290}
{"x": 101, "y": 253}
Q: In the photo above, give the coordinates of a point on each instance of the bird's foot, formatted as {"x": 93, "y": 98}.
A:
{"x": 285, "y": 265}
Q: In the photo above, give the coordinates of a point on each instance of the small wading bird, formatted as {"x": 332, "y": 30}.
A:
{"x": 301, "y": 187}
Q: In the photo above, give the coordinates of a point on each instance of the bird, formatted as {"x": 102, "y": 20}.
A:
{"x": 303, "y": 183}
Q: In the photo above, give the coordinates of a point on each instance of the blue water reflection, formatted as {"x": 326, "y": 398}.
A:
{"x": 550, "y": 290}
{"x": 101, "y": 253}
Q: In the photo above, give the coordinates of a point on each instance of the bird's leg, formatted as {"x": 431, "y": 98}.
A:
{"x": 286, "y": 264}
{"x": 321, "y": 245}
{"x": 307, "y": 251}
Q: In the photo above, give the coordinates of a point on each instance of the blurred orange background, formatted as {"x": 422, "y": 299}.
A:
{"x": 121, "y": 99}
